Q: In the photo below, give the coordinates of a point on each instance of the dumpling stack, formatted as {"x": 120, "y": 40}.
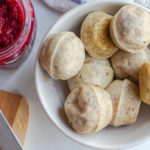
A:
{"x": 103, "y": 68}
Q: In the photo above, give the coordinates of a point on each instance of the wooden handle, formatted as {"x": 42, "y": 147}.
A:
{"x": 20, "y": 124}
{"x": 16, "y": 110}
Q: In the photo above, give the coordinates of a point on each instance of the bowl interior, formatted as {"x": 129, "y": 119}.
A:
{"x": 53, "y": 93}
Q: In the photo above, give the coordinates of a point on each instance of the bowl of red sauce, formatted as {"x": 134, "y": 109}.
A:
{"x": 17, "y": 32}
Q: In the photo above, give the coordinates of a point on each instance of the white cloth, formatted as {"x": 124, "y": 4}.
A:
{"x": 65, "y": 5}
{"x": 145, "y": 3}
{"x": 61, "y": 5}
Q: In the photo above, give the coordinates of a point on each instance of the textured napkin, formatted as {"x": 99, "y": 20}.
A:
{"x": 65, "y": 5}
{"x": 145, "y": 3}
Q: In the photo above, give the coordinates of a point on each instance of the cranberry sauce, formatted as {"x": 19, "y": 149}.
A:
{"x": 11, "y": 22}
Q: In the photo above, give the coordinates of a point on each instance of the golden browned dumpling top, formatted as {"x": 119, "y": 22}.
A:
{"x": 144, "y": 82}
{"x": 95, "y": 35}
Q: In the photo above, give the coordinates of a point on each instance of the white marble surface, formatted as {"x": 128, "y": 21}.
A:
{"x": 42, "y": 134}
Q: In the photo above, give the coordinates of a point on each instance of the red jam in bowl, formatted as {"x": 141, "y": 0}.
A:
{"x": 11, "y": 22}
{"x": 17, "y": 31}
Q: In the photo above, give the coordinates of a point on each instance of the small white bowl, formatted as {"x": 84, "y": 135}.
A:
{"x": 52, "y": 93}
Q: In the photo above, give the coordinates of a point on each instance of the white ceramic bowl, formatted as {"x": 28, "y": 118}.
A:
{"x": 52, "y": 94}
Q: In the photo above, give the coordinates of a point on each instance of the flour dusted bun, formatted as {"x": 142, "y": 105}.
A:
{"x": 88, "y": 109}
{"x": 126, "y": 102}
{"x": 62, "y": 55}
{"x": 130, "y": 28}
{"x": 95, "y": 35}
{"x": 127, "y": 65}
{"x": 94, "y": 71}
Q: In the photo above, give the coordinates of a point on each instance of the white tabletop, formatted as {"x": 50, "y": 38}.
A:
{"x": 42, "y": 134}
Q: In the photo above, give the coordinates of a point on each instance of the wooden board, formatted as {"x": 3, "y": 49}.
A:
{"x": 16, "y": 110}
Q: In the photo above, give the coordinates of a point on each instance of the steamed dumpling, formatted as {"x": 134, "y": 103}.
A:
{"x": 94, "y": 71}
{"x": 126, "y": 102}
{"x": 130, "y": 28}
{"x": 144, "y": 82}
{"x": 88, "y": 109}
{"x": 62, "y": 55}
{"x": 95, "y": 35}
{"x": 127, "y": 65}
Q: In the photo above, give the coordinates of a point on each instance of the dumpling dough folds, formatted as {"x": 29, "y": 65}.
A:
{"x": 126, "y": 102}
{"x": 62, "y": 55}
{"x": 95, "y": 35}
{"x": 94, "y": 71}
{"x": 88, "y": 109}
{"x": 130, "y": 28}
{"x": 127, "y": 65}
